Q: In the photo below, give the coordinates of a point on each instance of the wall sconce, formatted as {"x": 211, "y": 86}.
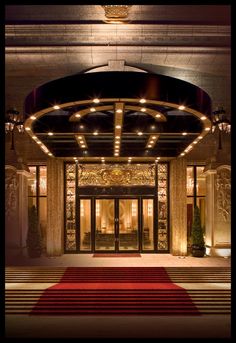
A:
{"x": 12, "y": 120}
{"x": 220, "y": 120}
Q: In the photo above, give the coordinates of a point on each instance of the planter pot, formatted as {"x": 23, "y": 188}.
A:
{"x": 198, "y": 251}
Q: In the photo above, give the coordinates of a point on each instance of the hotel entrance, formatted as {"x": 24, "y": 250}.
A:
{"x": 116, "y": 208}
{"x": 119, "y": 224}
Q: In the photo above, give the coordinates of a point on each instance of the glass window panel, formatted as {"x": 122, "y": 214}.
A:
{"x": 201, "y": 205}
{"x": 128, "y": 224}
{"x": 42, "y": 180}
{"x": 32, "y": 182}
{"x": 32, "y": 202}
{"x": 85, "y": 224}
{"x": 190, "y": 207}
{"x": 147, "y": 229}
{"x": 105, "y": 224}
{"x": 43, "y": 219}
{"x": 201, "y": 182}
{"x": 190, "y": 181}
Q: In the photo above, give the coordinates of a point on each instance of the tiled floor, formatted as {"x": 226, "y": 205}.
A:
{"x": 146, "y": 260}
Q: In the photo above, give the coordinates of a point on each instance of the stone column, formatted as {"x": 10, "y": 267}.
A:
{"x": 23, "y": 217}
{"x": 218, "y": 205}
{"x": 178, "y": 207}
{"x": 12, "y": 231}
{"x": 55, "y": 207}
{"x": 210, "y": 209}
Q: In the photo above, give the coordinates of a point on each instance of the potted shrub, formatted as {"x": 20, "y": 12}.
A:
{"x": 33, "y": 241}
{"x": 198, "y": 244}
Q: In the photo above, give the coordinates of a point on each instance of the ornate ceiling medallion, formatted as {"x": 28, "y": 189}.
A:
{"x": 116, "y": 13}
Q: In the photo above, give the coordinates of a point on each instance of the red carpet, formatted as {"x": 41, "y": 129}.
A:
{"x": 115, "y": 291}
{"x": 117, "y": 255}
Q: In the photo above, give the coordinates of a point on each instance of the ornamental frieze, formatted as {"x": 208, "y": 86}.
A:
{"x": 11, "y": 188}
{"x": 116, "y": 175}
{"x": 223, "y": 187}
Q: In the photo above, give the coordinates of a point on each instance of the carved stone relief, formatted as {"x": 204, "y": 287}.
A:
{"x": 125, "y": 175}
{"x": 11, "y": 187}
{"x": 223, "y": 187}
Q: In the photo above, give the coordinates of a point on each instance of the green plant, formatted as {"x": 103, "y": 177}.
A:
{"x": 34, "y": 240}
{"x": 197, "y": 231}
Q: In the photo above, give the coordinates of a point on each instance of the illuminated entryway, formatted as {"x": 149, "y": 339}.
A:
{"x": 119, "y": 224}
{"x": 116, "y": 207}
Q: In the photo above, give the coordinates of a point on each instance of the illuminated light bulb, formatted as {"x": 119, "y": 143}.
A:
{"x": 142, "y": 101}
{"x": 32, "y": 117}
{"x": 78, "y": 115}
{"x": 154, "y": 137}
{"x": 181, "y": 107}
{"x": 182, "y": 154}
{"x": 118, "y": 126}
{"x": 34, "y": 137}
{"x": 28, "y": 128}
{"x": 200, "y": 137}
{"x": 149, "y": 146}
{"x": 184, "y": 133}
{"x": 158, "y": 116}
{"x": 140, "y": 133}
{"x": 119, "y": 110}
{"x": 95, "y": 133}
{"x": 96, "y": 100}
{"x": 92, "y": 109}
{"x": 56, "y": 107}
{"x": 203, "y": 118}
{"x": 50, "y": 133}
{"x": 207, "y": 129}
{"x": 50, "y": 154}
{"x": 83, "y": 146}
{"x": 143, "y": 109}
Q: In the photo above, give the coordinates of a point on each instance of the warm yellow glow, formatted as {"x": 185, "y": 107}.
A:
{"x": 194, "y": 142}
{"x": 182, "y": 154}
{"x": 50, "y": 154}
{"x": 74, "y": 158}
{"x": 117, "y": 137}
{"x": 92, "y": 109}
{"x": 83, "y": 146}
{"x": 95, "y": 133}
{"x": 28, "y": 128}
{"x": 181, "y": 107}
{"x": 158, "y": 115}
{"x": 151, "y": 142}
{"x": 96, "y": 100}
{"x": 154, "y": 137}
{"x": 50, "y": 133}
{"x": 200, "y": 137}
{"x": 207, "y": 129}
{"x": 80, "y": 137}
{"x": 118, "y": 126}
{"x": 78, "y": 115}
{"x": 203, "y": 118}
{"x": 56, "y": 107}
{"x": 34, "y": 137}
{"x": 116, "y": 154}
{"x": 142, "y": 101}
{"x": 143, "y": 109}
{"x": 140, "y": 133}
{"x": 149, "y": 146}
{"x": 32, "y": 117}
{"x": 184, "y": 133}
{"x": 119, "y": 110}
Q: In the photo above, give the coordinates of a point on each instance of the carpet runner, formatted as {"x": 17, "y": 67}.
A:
{"x": 115, "y": 291}
{"x": 117, "y": 255}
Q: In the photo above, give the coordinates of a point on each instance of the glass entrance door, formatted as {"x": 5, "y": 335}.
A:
{"x": 105, "y": 235}
{"x": 128, "y": 224}
{"x": 116, "y": 225}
